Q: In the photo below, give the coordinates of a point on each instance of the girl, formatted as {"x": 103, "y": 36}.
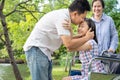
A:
{"x": 86, "y": 52}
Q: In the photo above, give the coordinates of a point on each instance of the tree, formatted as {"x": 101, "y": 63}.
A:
{"x": 7, "y": 39}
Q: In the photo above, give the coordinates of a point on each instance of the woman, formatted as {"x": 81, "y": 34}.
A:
{"x": 105, "y": 28}
{"x": 86, "y": 52}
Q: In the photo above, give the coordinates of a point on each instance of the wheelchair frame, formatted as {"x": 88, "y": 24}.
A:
{"x": 91, "y": 74}
{"x": 113, "y": 76}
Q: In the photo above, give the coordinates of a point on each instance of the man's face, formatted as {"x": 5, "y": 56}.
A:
{"x": 78, "y": 18}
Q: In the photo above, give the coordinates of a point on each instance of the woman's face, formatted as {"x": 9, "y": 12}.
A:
{"x": 83, "y": 28}
{"x": 97, "y": 8}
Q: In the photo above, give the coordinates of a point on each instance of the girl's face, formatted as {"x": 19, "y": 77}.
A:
{"x": 97, "y": 8}
{"x": 83, "y": 28}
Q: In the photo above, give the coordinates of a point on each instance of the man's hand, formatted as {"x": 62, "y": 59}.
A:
{"x": 67, "y": 25}
{"x": 89, "y": 34}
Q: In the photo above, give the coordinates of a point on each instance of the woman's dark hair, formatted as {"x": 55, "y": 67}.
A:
{"x": 91, "y": 25}
{"x": 79, "y": 5}
{"x": 102, "y": 2}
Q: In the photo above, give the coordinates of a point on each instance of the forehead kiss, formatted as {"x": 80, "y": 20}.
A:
{"x": 83, "y": 23}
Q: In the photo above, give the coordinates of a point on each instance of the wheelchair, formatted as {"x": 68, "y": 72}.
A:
{"x": 109, "y": 75}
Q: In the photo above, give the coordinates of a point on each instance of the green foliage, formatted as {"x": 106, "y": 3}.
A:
{"x": 110, "y": 6}
{"x": 116, "y": 18}
{"x": 9, "y": 5}
{"x": 62, "y": 51}
{"x": 3, "y": 53}
{"x": 1, "y": 45}
{"x": 62, "y": 4}
{"x": 19, "y": 32}
{"x": 64, "y": 59}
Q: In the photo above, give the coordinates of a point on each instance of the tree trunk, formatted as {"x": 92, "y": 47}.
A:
{"x": 9, "y": 48}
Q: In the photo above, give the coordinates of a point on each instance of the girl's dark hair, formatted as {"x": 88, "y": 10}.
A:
{"x": 79, "y": 5}
{"x": 102, "y": 2}
{"x": 91, "y": 25}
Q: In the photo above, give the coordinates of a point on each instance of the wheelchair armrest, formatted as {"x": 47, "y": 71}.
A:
{"x": 104, "y": 58}
{"x": 107, "y": 58}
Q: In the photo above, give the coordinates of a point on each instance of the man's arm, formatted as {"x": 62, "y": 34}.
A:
{"x": 85, "y": 47}
{"x": 72, "y": 43}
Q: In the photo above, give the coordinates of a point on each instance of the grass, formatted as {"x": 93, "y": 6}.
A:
{"x": 58, "y": 73}
{"x": 6, "y": 72}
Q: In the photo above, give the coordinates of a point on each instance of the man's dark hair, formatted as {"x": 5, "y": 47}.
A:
{"x": 102, "y": 2}
{"x": 91, "y": 25}
{"x": 79, "y": 5}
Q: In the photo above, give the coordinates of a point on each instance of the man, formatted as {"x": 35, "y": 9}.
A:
{"x": 48, "y": 35}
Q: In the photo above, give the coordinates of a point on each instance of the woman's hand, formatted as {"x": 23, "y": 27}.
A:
{"x": 110, "y": 50}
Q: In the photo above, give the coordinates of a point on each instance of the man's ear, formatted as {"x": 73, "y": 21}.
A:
{"x": 75, "y": 13}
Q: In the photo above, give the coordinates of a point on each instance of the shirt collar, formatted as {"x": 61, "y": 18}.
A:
{"x": 102, "y": 18}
